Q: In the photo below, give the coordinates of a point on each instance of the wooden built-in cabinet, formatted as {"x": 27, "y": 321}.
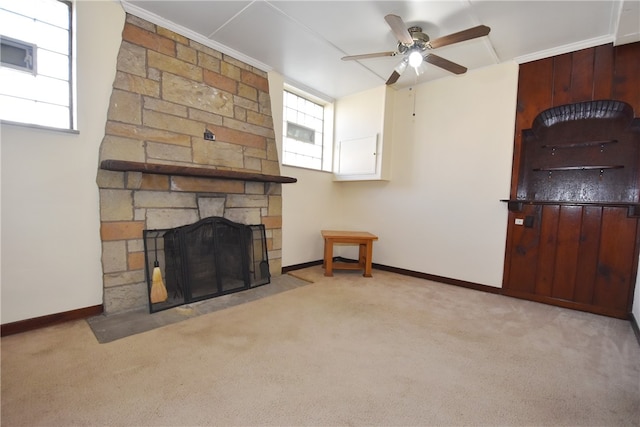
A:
{"x": 363, "y": 134}
{"x": 573, "y": 231}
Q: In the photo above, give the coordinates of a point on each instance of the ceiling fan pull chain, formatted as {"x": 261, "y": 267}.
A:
{"x": 414, "y": 102}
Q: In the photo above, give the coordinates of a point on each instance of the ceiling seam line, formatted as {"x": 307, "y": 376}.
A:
{"x": 210, "y": 36}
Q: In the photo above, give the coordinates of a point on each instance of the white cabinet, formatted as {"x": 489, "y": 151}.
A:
{"x": 357, "y": 156}
{"x": 363, "y": 136}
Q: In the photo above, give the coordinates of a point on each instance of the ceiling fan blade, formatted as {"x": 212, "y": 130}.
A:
{"x": 439, "y": 61}
{"x": 369, "y": 55}
{"x": 468, "y": 34}
{"x": 397, "y": 71}
{"x": 399, "y": 29}
{"x": 393, "y": 78}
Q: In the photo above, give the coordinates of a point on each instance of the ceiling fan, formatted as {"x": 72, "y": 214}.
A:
{"x": 412, "y": 43}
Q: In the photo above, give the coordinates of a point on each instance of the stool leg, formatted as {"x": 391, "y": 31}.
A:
{"x": 328, "y": 257}
{"x": 362, "y": 256}
{"x": 368, "y": 256}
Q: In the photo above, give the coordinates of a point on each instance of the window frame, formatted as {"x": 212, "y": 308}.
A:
{"x": 70, "y": 123}
{"x": 326, "y": 160}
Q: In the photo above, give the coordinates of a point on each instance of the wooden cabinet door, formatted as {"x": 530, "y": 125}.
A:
{"x": 581, "y": 257}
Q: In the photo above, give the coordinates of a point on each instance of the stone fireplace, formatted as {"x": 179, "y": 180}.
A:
{"x": 159, "y": 170}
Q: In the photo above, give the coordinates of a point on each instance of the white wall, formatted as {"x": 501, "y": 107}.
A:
{"x": 451, "y": 164}
{"x": 50, "y": 216}
{"x": 308, "y": 206}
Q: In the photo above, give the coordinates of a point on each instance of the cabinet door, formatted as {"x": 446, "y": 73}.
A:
{"x": 358, "y": 156}
{"x": 581, "y": 257}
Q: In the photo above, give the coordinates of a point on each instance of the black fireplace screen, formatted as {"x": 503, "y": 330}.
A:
{"x": 204, "y": 260}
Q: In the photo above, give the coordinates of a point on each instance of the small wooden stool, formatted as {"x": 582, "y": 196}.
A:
{"x": 361, "y": 238}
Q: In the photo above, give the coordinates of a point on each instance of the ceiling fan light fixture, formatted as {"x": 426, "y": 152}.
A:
{"x": 413, "y": 43}
{"x": 401, "y": 66}
{"x": 415, "y": 59}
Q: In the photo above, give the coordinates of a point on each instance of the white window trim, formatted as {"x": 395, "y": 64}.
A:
{"x": 327, "y": 143}
{"x": 72, "y": 126}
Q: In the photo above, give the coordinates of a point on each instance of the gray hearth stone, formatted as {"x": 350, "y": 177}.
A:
{"x": 109, "y": 328}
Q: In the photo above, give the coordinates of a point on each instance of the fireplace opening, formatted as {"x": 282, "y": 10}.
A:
{"x": 207, "y": 259}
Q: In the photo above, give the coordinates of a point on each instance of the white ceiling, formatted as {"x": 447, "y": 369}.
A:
{"x": 304, "y": 40}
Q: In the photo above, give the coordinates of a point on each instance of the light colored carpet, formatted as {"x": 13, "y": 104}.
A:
{"x": 389, "y": 351}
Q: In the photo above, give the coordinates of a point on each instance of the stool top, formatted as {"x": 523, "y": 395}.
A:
{"x": 335, "y": 234}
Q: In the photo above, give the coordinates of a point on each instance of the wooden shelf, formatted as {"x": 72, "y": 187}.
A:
{"x": 577, "y": 168}
{"x": 515, "y": 205}
{"x": 581, "y": 144}
{"x": 198, "y": 172}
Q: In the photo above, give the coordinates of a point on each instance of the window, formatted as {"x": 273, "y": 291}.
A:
{"x": 35, "y": 66}
{"x": 307, "y": 132}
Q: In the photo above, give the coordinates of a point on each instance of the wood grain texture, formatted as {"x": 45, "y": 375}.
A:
{"x": 568, "y": 244}
{"x": 582, "y": 256}
{"x": 201, "y": 172}
{"x": 547, "y": 250}
{"x": 523, "y": 248}
{"x": 588, "y": 254}
{"x": 626, "y": 69}
{"x": 615, "y": 259}
{"x": 562, "y": 66}
{"x": 602, "y": 72}
{"x": 582, "y": 75}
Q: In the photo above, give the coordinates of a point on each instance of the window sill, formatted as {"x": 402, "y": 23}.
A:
{"x": 305, "y": 168}
{"x": 38, "y": 127}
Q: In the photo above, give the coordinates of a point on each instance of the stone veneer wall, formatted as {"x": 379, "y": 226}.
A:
{"x": 167, "y": 91}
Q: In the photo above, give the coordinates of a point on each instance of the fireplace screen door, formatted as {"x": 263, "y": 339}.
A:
{"x": 209, "y": 258}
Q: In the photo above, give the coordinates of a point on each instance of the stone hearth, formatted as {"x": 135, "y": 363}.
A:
{"x": 167, "y": 93}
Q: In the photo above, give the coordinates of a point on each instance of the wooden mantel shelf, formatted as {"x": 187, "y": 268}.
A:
{"x": 160, "y": 169}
